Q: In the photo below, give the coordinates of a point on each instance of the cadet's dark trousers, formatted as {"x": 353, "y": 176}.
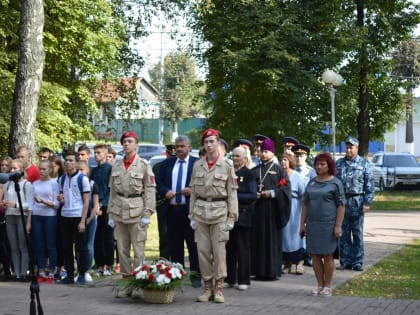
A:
{"x": 71, "y": 235}
{"x": 238, "y": 256}
{"x": 104, "y": 242}
{"x": 179, "y": 229}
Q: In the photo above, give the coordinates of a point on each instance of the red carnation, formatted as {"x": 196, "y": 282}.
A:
{"x": 145, "y": 268}
{"x": 151, "y": 277}
{"x": 282, "y": 182}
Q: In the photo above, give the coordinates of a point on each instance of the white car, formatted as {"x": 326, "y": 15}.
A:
{"x": 392, "y": 170}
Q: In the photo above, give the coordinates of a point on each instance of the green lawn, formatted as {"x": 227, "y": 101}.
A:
{"x": 152, "y": 243}
{"x": 395, "y": 277}
{"x": 396, "y": 200}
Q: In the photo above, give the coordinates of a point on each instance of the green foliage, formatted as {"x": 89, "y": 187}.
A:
{"x": 182, "y": 90}
{"x": 265, "y": 59}
{"x": 84, "y": 40}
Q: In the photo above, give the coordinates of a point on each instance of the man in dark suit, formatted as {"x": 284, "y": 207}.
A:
{"x": 172, "y": 182}
{"x": 162, "y": 208}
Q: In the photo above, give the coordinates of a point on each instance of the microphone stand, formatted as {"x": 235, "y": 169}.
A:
{"x": 34, "y": 287}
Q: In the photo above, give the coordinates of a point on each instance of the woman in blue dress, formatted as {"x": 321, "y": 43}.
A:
{"x": 293, "y": 244}
{"x": 322, "y": 216}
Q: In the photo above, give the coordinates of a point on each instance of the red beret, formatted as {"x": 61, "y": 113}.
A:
{"x": 208, "y": 133}
{"x": 128, "y": 134}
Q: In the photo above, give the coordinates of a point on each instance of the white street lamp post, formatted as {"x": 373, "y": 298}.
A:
{"x": 332, "y": 79}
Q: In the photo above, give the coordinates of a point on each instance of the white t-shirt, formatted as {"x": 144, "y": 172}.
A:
{"x": 73, "y": 202}
{"x": 46, "y": 190}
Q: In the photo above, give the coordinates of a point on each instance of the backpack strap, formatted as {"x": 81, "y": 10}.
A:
{"x": 62, "y": 180}
{"x": 80, "y": 183}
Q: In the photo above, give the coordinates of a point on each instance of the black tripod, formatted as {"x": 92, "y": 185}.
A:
{"x": 34, "y": 283}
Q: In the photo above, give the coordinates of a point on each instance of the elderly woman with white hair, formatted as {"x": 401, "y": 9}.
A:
{"x": 238, "y": 248}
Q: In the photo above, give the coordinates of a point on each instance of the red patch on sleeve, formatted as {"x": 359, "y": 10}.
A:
{"x": 235, "y": 182}
{"x": 152, "y": 180}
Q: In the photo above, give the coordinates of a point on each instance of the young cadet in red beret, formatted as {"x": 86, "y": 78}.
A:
{"x": 213, "y": 212}
{"x": 131, "y": 203}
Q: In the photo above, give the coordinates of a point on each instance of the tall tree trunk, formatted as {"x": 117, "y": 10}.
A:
{"x": 28, "y": 77}
{"x": 363, "y": 116}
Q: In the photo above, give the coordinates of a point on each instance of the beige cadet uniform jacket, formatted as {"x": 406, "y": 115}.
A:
{"x": 214, "y": 196}
{"x": 132, "y": 191}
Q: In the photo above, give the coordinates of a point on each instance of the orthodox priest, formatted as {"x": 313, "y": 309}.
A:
{"x": 272, "y": 212}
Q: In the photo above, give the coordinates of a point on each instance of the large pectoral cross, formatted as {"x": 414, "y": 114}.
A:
{"x": 260, "y": 187}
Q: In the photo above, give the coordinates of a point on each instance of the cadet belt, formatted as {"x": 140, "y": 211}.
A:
{"x": 351, "y": 195}
{"x": 212, "y": 199}
{"x": 130, "y": 195}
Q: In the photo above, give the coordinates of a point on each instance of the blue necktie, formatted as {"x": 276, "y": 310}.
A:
{"x": 178, "y": 197}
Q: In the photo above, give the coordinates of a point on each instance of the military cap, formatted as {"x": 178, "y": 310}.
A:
{"x": 289, "y": 141}
{"x": 300, "y": 149}
{"x": 225, "y": 144}
{"x": 259, "y": 138}
{"x": 171, "y": 149}
{"x": 246, "y": 142}
{"x": 352, "y": 140}
{"x": 208, "y": 133}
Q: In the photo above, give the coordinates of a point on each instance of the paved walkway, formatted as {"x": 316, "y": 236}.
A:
{"x": 385, "y": 232}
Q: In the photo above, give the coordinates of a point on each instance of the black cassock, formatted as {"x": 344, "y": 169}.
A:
{"x": 271, "y": 215}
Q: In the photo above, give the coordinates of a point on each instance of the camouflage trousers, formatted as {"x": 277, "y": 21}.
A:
{"x": 351, "y": 242}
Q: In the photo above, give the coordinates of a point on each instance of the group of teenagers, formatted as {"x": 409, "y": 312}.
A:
{"x": 64, "y": 207}
{"x": 244, "y": 215}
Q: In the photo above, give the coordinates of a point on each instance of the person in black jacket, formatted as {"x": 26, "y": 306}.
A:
{"x": 238, "y": 248}
{"x": 173, "y": 181}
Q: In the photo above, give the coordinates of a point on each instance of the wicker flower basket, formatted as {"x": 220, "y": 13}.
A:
{"x": 158, "y": 296}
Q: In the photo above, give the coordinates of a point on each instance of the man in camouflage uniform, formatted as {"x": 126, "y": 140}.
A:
{"x": 213, "y": 211}
{"x": 132, "y": 202}
{"x": 355, "y": 173}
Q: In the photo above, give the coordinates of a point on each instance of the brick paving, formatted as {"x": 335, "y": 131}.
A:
{"x": 385, "y": 232}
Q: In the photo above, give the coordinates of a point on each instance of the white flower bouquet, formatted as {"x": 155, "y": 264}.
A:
{"x": 161, "y": 276}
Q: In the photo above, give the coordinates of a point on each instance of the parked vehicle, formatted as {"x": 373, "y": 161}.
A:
{"x": 395, "y": 169}
{"x": 147, "y": 150}
{"x": 156, "y": 159}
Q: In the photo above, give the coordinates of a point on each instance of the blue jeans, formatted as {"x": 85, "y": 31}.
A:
{"x": 351, "y": 242}
{"x": 91, "y": 230}
{"x": 43, "y": 230}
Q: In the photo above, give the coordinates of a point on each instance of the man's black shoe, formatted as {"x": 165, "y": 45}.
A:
{"x": 358, "y": 268}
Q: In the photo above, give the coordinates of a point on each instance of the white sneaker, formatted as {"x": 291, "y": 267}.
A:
{"x": 88, "y": 277}
{"x": 107, "y": 272}
{"x": 242, "y": 287}
{"x": 75, "y": 278}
